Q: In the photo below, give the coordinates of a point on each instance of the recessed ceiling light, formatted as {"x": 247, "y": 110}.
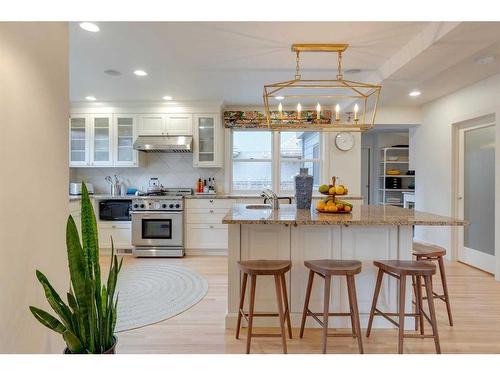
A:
{"x": 112, "y": 72}
{"x": 485, "y": 60}
{"x": 279, "y": 97}
{"x": 167, "y": 97}
{"x": 89, "y": 26}
{"x": 140, "y": 73}
{"x": 414, "y": 93}
{"x": 90, "y": 98}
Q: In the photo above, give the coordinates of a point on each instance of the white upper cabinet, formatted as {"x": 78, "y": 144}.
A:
{"x": 101, "y": 145}
{"x": 166, "y": 124}
{"x": 125, "y": 133}
{"x": 78, "y": 140}
{"x": 102, "y": 141}
{"x": 207, "y": 138}
{"x": 152, "y": 124}
{"x": 179, "y": 124}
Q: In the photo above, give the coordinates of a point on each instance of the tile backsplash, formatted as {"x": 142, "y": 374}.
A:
{"x": 173, "y": 170}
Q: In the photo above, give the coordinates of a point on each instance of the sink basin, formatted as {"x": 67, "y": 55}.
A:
{"x": 258, "y": 206}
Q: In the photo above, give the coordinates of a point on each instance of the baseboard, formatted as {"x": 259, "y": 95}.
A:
{"x": 216, "y": 252}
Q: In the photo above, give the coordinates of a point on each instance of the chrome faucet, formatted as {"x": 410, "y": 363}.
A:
{"x": 271, "y": 196}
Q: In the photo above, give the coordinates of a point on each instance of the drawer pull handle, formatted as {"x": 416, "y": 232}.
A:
{"x": 211, "y": 211}
{"x": 114, "y": 226}
{"x": 211, "y": 227}
{"x": 211, "y": 201}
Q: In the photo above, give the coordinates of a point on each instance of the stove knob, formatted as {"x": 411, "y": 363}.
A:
{"x": 136, "y": 205}
{"x": 157, "y": 205}
{"x": 171, "y": 205}
{"x": 142, "y": 205}
{"x": 177, "y": 205}
{"x": 163, "y": 205}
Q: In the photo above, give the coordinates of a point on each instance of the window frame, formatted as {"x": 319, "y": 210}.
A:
{"x": 275, "y": 160}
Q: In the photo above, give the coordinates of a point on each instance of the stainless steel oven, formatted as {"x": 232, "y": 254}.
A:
{"x": 157, "y": 227}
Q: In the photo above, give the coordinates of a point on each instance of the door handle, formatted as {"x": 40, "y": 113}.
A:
{"x": 460, "y": 198}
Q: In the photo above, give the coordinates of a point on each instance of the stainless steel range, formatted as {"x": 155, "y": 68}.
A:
{"x": 157, "y": 223}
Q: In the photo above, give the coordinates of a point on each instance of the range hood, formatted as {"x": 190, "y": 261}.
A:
{"x": 163, "y": 143}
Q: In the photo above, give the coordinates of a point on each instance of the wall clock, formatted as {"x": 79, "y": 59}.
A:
{"x": 344, "y": 141}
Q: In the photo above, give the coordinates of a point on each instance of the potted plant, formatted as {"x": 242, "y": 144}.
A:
{"x": 87, "y": 321}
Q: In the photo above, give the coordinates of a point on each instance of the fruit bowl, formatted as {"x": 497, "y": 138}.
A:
{"x": 333, "y": 212}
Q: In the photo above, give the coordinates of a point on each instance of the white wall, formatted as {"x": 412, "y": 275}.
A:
{"x": 432, "y": 153}
{"x": 33, "y": 178}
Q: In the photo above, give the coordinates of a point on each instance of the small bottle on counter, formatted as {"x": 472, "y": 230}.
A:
{"x": 205, "y": 186}
{"x": 199, "y": 186}
{"x": 214, "y": 188}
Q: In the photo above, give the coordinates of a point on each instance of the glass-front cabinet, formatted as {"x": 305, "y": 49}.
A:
{"x": 78, "y": 140}
{"x": 102, "y": 140}
{"x": 101, "y": 146}
{"x": 124, "y": 136}
{"x": 207, "y": 134}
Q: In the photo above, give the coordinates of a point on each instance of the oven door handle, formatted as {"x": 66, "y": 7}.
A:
{"x": 157, "y": 212}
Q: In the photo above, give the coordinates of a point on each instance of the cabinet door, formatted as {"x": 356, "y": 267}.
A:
{"x": 151, "y": 124}
{"x": 78, "y": 140}
{"x": 124, "y": 135}
{"x": 206, "y": 141}
{"x": 101, "y": 145}
{"x": 179, "y": 125}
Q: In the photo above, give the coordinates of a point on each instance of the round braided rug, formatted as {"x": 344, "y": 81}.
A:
{"x": 152, "y": 290}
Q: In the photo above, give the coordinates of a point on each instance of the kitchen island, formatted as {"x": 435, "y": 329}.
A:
{"x": 366, "y": 234}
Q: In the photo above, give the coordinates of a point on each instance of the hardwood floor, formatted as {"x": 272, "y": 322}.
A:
{"x": 475, "y": 298}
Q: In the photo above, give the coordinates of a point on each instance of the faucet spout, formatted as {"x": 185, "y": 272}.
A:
{"x": 272, "y": 197}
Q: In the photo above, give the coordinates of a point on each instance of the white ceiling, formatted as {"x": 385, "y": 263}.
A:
{"x": 232, "y": 61}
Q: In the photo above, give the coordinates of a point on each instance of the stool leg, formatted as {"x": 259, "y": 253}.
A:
{"x": 432, "y": 312}
{"x": 277, "y": 282}
{"x": 326, "y": 310}
{"x": 374, "y": 303}
{"x": 242, "y": 302}
{"x": 287, "y": 307}
{"x": 445, "y": 289}
{"x": 353, "y": 302}
{"x": 306, "y": 303}
{"x": 402, "y": 300}
{"x": 420, "y": 303}
{"x": 253, "y": 282}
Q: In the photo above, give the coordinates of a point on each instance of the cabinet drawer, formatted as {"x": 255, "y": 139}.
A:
{"x": 121, "y": 233}
{"x": 210, "y": 203}
{"x": 205, "y": 215}
{"x": 206, "y": 236}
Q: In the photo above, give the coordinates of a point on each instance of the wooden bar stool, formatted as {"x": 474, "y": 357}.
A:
{"x": 430, "y": 252}
{"x": 400, "y": 269}
{"x": 254, "y": 268}
{"x": 326, "y": 268}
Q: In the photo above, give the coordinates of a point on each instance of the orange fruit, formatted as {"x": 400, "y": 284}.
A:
{"x": 347, "y": 208}
{"x": 333, "y": 209}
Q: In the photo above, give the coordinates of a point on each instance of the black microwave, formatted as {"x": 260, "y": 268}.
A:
{"x": 115, "y": 209}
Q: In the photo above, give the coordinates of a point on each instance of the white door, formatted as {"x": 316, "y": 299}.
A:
{"x": 365, "y": 174}
{"x": 152, "y": 124}
{"x": 477, "y": 196}
{"x": 101, "y": 145}
{"x": 179, "y": 125}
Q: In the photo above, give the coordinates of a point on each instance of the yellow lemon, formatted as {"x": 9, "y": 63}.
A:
{"x": 321, "y": 205}
{"x": 332, "y": 190}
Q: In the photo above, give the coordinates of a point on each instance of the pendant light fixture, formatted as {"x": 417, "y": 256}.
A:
{"x": 335, "y": 104}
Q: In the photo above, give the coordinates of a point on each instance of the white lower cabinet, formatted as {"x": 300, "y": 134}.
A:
{"x": 204, "y": 228}
{"x": 120, "y": 232}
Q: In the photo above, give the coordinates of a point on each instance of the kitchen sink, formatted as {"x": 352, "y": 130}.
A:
{"x": 258, "y": 206}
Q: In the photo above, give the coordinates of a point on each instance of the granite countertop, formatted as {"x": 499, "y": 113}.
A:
{"x": 361, "y": 215}
{"x": 247, "y": 196}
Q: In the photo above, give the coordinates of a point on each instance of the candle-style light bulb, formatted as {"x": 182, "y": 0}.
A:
{"x": 318, "y": 111}
{"x": 356, "y": 109}
{"x": 280, "y": 109}
{"x": 337, "y": 112}
{"x": 299, "y": 109}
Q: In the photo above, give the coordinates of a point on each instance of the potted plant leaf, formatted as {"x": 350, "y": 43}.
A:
{"x": 87, "y": 320}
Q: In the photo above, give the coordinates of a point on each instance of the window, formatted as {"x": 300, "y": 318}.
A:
{"x": 299, "y": 150}
{"x": 257, "y": 165}
{"x": 252, "y": 160}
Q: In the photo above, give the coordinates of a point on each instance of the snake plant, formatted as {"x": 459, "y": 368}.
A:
{"x": 87, "y": 321}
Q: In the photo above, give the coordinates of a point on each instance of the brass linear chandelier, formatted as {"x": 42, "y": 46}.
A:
{"x": 339, "y": 104}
